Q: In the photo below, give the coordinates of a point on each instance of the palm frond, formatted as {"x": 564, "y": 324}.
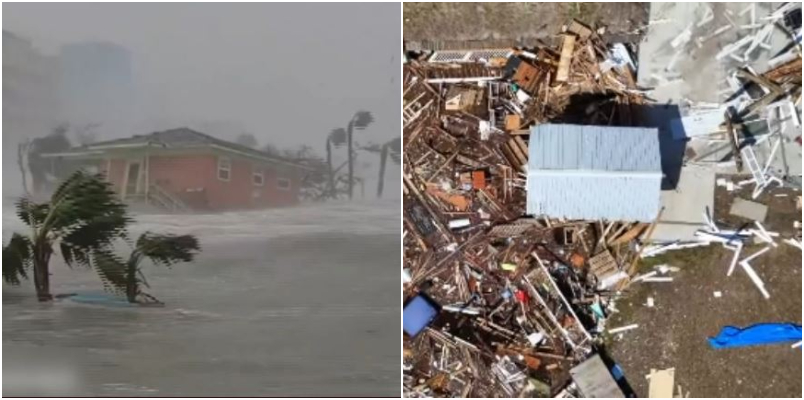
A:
{"x": 395, "y": 144}
{"x": 87, "y": 216}
{"x": 167, "y": 249}
{"x": 87, "y": 201}
{"x": 66, "y": 186}
{"x": 32, "y": 214}
{"x": 111, "y": 269}
{"x": 74, "y": 255}
{"x": 337, "y": 137}
{"x": 17, "y": 258}
{"x": 362, "y": 119}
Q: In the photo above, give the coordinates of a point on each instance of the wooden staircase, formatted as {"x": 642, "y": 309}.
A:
{"x": 164, "y": 199}
{"x": 160, "y": 198}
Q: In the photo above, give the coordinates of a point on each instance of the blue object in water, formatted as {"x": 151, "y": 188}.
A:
{"x": 758, "y": 334}
{"x": 101, "y": 300}
{"x": 418, "y": 313}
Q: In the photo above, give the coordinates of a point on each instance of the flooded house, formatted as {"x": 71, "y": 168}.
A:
{"x": 185, "y": 170}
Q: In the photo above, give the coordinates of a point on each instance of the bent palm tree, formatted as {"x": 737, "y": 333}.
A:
{"x": 336, "y": 138}
{"x": 127, "y": 277}
{"x": 361, "y": 120}
{"x": 83, "y": 217}
{"x": 391, "y": 148}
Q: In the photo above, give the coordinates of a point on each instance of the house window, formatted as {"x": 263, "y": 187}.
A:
{"x": 258, "y": 178}
{"x": 224, "y": 168}
{"x": 283, "y": 183}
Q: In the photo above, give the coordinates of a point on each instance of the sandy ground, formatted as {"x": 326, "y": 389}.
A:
{"x": 512, "y": 22}
{"x": 279, "y": 303}
{"x": 673, "y": 333}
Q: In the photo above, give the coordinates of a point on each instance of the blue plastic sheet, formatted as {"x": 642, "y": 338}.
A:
{"x": 754, "y": 335}
{"x": 101, "y": 299}
{"x": 418, "y": 314}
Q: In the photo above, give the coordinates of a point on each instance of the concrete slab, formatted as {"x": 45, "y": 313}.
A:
{"x": 690, "y": 73}
{"x": 684, "y": 207}
{"x": 749, "y": 209}
{"x": 690, "y": 70}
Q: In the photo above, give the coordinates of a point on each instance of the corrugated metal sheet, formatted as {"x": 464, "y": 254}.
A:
{"x": 606, "y": 148}
{"x": 592, "y": 172}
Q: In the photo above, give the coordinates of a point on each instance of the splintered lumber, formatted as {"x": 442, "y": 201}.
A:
{"x": 579, "y": 29}
{"x": 616, "y": 233}
{"x": 761, "y": 80}
{"x": 516, "y": 146}
{"x": 603, "y": 265}
{"x": 629, "y": 235}
{"x": 567, "y": 48}
{"x": 520, "y": 148}
{"x": 632, "y": 269}
{"x": 791, "y": 68}
{"x": 462, "y": 170}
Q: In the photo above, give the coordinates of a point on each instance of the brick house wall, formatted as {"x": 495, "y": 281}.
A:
{"x": 115, "y": 171}
{"x": 240, "y": 191}
{"x": 193, "y": 178}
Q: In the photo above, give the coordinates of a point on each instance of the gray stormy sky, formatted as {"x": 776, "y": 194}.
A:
{"x": 286, "y": 72}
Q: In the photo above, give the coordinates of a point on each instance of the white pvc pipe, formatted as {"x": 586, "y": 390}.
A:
{"x": 755, "y": 278}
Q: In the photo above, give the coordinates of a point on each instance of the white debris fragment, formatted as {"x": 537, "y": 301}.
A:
{"x": 623, "y": 328}
{"x": 755, "y": 278}
{"x": 682, "y": 37}
{"x": 658, "y": 279}
{"x": 793, "y": 242}
{"x": 734, "y": 258}
{"x": 535, "y": 338}
{"x": 718, "y": 294}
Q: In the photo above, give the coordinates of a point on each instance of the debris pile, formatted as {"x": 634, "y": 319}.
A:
{"x": 753, "y": 136}
{"x": 498, "y": 304}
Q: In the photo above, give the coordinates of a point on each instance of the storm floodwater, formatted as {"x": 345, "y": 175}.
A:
{"x": 297, "y": 301}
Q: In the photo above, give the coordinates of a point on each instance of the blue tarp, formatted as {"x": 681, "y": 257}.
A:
{"x": 418, "y": 313}
{"x": 758, "y": 334}
{"x": 101, "y": 299}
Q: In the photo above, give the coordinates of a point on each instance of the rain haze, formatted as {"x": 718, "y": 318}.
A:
{"x": 228, "y": 124}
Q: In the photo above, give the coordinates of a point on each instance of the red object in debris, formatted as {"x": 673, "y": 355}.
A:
{"x": 798, "y": 140}
{"x": 521, "y": 296}
{"x": 479, "y": 179}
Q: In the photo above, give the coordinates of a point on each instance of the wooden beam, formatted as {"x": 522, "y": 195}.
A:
{"x": 632, "y": 268}
{"x": 567, "y": 48}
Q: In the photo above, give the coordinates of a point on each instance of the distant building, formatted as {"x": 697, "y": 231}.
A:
{"x": 97, "y": 84}
{"x": 183, "y": 169}
{"x": 30, "y": 87}
{"x": 30, "y": 100}
{"x": 594, "y": 172}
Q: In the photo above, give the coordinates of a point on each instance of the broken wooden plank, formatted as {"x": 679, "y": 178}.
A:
{"x": 661, "y": 383}
{"x": 629, "y": 235}
{"x": 567, "y": 48}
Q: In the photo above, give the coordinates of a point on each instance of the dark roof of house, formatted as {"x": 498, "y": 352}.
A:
{"x": 178, "y": 138}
